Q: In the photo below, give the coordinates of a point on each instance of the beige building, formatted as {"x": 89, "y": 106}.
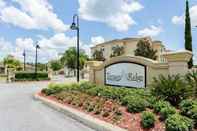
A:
{"x": 129, "y": 46}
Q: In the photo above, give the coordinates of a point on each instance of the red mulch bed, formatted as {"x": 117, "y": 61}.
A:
{"x": 128, "y": 121}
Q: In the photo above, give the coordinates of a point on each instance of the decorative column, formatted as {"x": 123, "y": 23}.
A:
{"x": 92, "y": 65}
{"x": 177, "y": 62}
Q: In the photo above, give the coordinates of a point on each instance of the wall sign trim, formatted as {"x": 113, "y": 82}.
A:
{"x": 127, "y": 62}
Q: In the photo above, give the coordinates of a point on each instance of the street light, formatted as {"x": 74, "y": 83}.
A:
{"x": 36, "y": 62}
{"x": 75, "y": 26}
{"x": 24, "y": 55}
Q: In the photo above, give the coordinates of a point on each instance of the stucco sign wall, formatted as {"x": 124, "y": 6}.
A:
{"x": 126, "y": 74}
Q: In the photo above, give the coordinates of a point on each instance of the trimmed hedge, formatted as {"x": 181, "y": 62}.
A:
{"x": 31, "y": 76}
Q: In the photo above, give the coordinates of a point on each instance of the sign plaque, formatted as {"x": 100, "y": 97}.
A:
{"x": 126, "y": 74}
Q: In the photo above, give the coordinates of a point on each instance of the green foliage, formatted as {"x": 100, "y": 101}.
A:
{"x": 189, "y": 109}
{"x": 11, "y": 62}
{"x": 98, "y": 55}
{"x": 69, "y": 58}
{"x": 191, "y": 79}
{"x": 188, "y": 34}
{"x": 177, "y": 122}
{"x": 166, "y": 112}
{"x": 194, "y": 115}
{"x": 136, "y": 100}
{"x": 160, "y": 105}
{"x": 144, "y": 49}
{"x": 171, "y": 88}
{"x": 136, "y": 104}
{"x": 55, "y": 65}
{"x": 117, "y": 51}
{"x": 54, "y": 89}
{"x": 30, "y": 76}
{"x": 186, "y": 106}
{"x": 148, "y": 119}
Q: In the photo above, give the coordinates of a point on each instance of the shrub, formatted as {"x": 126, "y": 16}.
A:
{"x": 160, "y": 105}
{"x": 194, "y": 115}
{"x": 177, "y": 122}
{"x": 148, "y": 119}
{"x": 171, "y": 88}
{"x": 53, "y": 89}
{"x": 31, "y": 76}
{"x": 86, "y": 85}
{"x": 191, "y": 79}
{"x": 136, "y": 104}
{"x": 151, "y": 101}
{"x": 186, "y": 106}
{"x": 166, "y": 112}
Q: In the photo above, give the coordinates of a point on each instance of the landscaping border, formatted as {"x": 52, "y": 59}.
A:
{"x": 86, "y": 119}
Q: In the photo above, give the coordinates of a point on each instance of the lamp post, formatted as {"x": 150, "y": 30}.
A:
{"x": 24, "y": 55}
{"x": 36, "y": 61}
{"x": 75, "y": 26}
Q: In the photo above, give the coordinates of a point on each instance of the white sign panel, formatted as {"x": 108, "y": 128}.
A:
{"x": 126, "y": 75}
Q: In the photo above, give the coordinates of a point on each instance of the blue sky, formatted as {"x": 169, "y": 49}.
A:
{"x": 23, "y": 22}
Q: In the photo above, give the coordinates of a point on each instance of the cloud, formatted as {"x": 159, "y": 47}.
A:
{"x": 114, "y": 13}
{"x": 150, "y": 31}
{"x": 181, "y": 19}
{"x": 31, "y": 14}
{"x": 178, "y": 20}
{"x": 2, "y": 3}
{"x": 5, "y": 47}
{"x": 97, "y": 40}
{"x": 51, "y": 48}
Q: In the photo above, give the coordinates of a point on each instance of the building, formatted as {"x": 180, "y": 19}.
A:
{"x": 129, "y": 45}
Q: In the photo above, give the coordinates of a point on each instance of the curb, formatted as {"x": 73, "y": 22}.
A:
{"x": 88, "y": 120}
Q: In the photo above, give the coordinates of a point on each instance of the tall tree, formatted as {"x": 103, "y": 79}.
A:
{"x": 55, "y": 65}
{"x": 69, "y": 58}
{"x": 188, "y": 34}
{"x": 144, "y": 49}
{"x": 12, "y": 62}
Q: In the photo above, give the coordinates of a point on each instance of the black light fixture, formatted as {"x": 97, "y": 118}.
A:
{"x": 24, "y": 55}
{"x": 75, "y": 26}
{"x": 36, "y": 61}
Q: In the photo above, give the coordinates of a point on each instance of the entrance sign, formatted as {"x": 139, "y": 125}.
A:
{"x": 125, "y": 74}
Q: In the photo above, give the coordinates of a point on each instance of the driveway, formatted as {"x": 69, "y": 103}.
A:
{"x": 19, "y": 111}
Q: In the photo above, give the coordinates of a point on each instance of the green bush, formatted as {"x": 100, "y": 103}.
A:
{"x": 31, "y": 76}
{"x": 194, "y": 115}
{"x": 53, "y": 89}
{"x": 136, "y": 104}
{"x": 186, "y": 106}
{"x": 166, "y": 112}
{"x": 189, "y": 109}
{"x": 172, "y": 88}
{"x": 191, "y": 79}
{"x": 147, "y": 119}
{"x": 160, "y": 105}
{"x": 177, "y": 122}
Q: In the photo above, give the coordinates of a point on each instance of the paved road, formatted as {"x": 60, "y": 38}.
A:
{"x": 20, "y": 112}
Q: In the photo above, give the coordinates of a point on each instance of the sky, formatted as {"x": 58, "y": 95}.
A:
{"x": 23, "y": 23}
